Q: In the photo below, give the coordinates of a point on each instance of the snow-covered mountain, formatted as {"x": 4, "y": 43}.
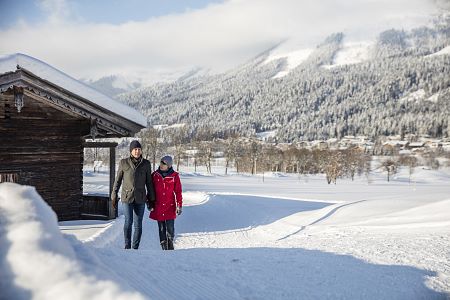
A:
{"x": 114, "y": 85}
{"x": 340, "y": 87}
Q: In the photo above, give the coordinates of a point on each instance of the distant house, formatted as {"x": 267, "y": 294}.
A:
{"x": 446, "y": 146}
{"x": 433, "y": 144}
{"x": 393, "y": 147}
{"x": 416, "y": 145}
{"x": 303, "y": 144}
{"x": 321, "y": 145}
{"x": 45, "y": 118}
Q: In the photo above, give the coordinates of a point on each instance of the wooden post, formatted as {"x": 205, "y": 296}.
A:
{"x": 112, "y": 176}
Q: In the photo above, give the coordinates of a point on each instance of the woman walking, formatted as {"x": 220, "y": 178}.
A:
{"x": 169, "y": 201}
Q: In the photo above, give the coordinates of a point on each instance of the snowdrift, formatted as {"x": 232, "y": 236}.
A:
{"x": 37, "y": 262}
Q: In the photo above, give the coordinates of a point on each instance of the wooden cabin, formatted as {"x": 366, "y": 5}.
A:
{"x": 45, "y": 118}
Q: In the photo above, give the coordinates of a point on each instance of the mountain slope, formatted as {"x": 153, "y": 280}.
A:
{"x": 327, "y": 94}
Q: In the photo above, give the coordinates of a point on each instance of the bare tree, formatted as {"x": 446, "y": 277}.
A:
{"x": 354, "y": 162}
{"x": 390, "y": 166}
{"x": 289, "y": 159}
{"x": 367, "y": 166}
{"x": 431, "y": 160}
{"x": 206, "y": 150}
{"x": 319, "y": 161}
{"x": 152, "y": 145}
{"x": 178, "y": 138}
{"x": 197, "y": 155}
{"x": 334, "y": 167}
{"x": 255, "y": 151}
{"x": 410, "y": 162}
{"x": 274, "y": 158}
{"x": 241, "y": 157}
{"x": 230, "y": 151}
{"x": 303, "y": 160}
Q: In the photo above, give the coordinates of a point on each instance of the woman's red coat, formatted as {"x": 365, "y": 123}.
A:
{"x": 168, "y": 196}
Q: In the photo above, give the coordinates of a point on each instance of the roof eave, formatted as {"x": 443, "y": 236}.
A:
{"x": 114, "y": 124}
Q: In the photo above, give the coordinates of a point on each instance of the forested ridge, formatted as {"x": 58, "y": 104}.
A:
{"x": 404, "y": 87}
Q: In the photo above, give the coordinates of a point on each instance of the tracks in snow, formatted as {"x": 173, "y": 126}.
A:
{"x": 326, "y": 216}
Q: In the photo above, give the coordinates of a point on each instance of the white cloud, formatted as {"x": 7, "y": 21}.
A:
{"x": 57, "y": 10}
{"x": 219, "y": 36}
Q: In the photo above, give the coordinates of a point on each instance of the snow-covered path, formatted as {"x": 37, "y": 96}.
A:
{"x": 260, "y": 258}
{"x": 284, "y": 238}
{"x": 242, "y": 238}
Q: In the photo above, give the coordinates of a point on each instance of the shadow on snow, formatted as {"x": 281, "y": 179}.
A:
{"x": 268, "y": 273}
{"x": 230, "y": 212}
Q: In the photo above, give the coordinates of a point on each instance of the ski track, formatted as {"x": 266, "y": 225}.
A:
{"x": 320, "y": 219}
{"x": 191, "y": 273}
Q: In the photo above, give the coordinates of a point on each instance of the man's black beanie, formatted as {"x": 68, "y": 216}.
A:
{"x": 135, "y": 144}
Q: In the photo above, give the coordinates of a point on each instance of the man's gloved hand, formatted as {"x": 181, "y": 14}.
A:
{"x": 179, "y": 210}
{"x": 150, "y": 202}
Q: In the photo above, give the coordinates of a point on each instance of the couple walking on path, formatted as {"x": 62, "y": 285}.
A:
{"x": 160, "y": 191}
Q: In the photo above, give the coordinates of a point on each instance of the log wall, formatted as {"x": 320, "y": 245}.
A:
{"x": 43, "y": 147}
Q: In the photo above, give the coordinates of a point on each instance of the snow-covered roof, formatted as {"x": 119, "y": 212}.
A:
{"x": 416, "y": 144}
{"x": 267, "y": 134}
{"x": 9, "y": 63}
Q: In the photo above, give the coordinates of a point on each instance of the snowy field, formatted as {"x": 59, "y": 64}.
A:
{"x": 242, "y": 237}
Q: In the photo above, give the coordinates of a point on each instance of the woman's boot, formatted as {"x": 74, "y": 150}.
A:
{"x": 170, "y": 244}
{"x": 164, "y": 245}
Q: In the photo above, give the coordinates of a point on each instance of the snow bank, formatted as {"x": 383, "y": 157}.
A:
{"x": 8, "y": 63}
{"x": 294, "y": 57}
{"x": 414, "y": 96}
{"x": 443, "y": 51}
{"x": 194, "y": 198}
{"x": 351, "y": 53}
{"x": 37, "y": 261}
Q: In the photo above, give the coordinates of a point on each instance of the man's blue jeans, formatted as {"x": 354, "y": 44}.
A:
{"x": 134, "y": 213}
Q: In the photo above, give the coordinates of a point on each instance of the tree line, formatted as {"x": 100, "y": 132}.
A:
{"x": 250, "y": 155}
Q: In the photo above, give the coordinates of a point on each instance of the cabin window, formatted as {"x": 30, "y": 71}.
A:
{"x": 9, "y": 177}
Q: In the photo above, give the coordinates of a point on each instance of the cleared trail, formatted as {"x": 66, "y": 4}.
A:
{"x": 241, "y": 246}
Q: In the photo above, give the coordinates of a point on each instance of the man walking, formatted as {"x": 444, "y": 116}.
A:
{"x": 136, "y": 174}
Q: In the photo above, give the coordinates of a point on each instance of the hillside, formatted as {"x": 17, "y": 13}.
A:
{"x": 397, "y": 84}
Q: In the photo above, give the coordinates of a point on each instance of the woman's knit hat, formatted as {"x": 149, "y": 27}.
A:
{"x": 167, "y": 160}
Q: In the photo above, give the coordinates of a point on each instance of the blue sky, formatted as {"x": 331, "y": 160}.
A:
{"x": 98, "y": 11}
{"x": 161, "y": 39}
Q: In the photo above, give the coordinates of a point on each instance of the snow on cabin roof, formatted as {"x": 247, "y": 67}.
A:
{"x": 9, "y": 63}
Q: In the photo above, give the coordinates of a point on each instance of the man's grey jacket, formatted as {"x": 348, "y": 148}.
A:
{"x": 135, "y": 180}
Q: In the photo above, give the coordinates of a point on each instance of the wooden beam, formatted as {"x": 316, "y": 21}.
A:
{"x": 99, "y": 144}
